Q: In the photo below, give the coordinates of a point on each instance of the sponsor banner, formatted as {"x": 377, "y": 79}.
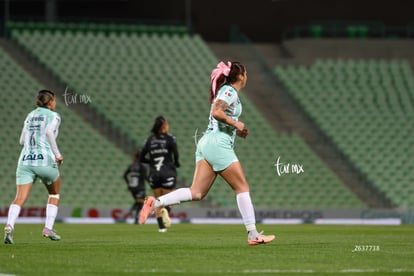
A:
{"x": 182, "y": 214}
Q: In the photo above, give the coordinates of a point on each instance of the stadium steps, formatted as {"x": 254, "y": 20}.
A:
{"x": 277, "y": 105}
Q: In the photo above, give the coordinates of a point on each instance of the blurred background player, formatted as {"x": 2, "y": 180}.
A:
{"x": 161, "y": 152}
{"x": 215, "y": 151}
{"x": 135, "y": 176}
{"x": 39, "y": 157}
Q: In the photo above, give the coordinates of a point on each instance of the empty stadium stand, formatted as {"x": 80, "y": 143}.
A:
{"x": 366, "y": 108}
{"x": 134, "y": 76}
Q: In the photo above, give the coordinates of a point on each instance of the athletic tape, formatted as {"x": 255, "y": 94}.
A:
{"x": 57, "y": 196}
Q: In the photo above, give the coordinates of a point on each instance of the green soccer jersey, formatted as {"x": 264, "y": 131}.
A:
{"x": 229, "y": 95}
{"x": 38, "y": 138}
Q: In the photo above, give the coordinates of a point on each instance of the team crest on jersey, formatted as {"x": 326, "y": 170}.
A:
{"x": 228, "y": 94}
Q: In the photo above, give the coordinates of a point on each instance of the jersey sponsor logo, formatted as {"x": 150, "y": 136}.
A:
{"x": 37, "y": 119}
{"x": 33, "y": 156}
{"x": 159, "y": 151}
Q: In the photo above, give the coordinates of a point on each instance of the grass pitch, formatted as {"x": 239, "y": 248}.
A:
{"x": 187, "y": 249}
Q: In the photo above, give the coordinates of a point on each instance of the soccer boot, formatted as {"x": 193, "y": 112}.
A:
{"x": 51, "y": 234}
{"x": 261, "y": 239}
{"x": 147, "y": 209}
{"x": 165, "y": 217}
{"x": 8, "y": 234}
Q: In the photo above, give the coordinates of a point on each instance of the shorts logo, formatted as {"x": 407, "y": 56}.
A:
{"x": 33, "y": 157}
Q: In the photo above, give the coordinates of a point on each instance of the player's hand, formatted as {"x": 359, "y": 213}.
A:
{"x": 59, "y": 160}
{"x": 243, "y": 133}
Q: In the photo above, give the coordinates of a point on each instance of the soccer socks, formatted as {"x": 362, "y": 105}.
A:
{"x": 160, "y": 223}
{"x": 14, "y": 211}
{"x": 174, "y": 198}
{"x": 246, "y": 209}
{"x": 51, "y": 213}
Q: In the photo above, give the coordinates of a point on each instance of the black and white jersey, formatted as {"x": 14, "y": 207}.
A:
{"x": 135, "y": 176}
{"x": 161, "y": 153}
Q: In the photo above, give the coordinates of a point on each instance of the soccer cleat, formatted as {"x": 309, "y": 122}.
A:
{"x": 261, "y": 239}
{"x": 147, "y": 209}
{"x": 165, "y": 217}
{"x": 8, "y": 234}
{"x": 162, "y": 230}
{"x": 51, "y": 234}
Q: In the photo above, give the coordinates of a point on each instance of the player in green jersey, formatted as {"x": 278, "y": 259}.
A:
{"x": 40, "y": 157}
{"x": 215, "y": 153}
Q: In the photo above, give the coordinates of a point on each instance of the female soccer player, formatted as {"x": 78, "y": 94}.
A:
{"x": 163, "y": 159}
{"x": 39, "y": 157}
{"x": 135, "y": 176}
{"x": 215, "y": 154}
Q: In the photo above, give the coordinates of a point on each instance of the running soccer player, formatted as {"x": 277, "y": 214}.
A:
{"x": 215, "y": 154}
{"x": 161, "y": 152}
{"x": 39, "y": 157}
{"x": 135, "y": 176}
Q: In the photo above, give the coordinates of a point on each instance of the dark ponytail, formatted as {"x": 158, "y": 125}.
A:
{"x": 236, "y": 69}
{"x": 44, "y": 97}
{"x": 159, "y": 122}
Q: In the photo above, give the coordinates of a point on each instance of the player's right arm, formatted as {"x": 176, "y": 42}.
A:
{"x": 144, "y": 152}
{"x": 218, "y": 112}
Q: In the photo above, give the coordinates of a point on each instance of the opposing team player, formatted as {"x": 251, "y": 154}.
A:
{"x": 161, "y": 152}
{"x": 135, "y": 176}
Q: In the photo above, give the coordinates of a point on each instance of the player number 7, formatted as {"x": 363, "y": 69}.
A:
{"x": 160, "y": 161}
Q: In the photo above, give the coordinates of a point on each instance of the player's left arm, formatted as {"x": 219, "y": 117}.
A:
{"x": 176, "y": 155}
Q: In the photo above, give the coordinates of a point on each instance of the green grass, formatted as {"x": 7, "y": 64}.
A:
{"x": 187, "y": 249}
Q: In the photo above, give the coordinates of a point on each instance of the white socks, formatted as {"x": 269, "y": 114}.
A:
{"x": 14, "y": 211}
{"x": 174, "y": 198}
{"x": 246, "y": 209}
{"x": 51, "y": 213}
{"x": 244, "y": 203}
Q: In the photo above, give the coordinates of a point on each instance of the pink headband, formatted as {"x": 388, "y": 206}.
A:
{"x": 221, "y": 69}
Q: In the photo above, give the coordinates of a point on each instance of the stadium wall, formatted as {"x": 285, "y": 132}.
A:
{"x": 260, "y": 20}
{"x": 224, "y": 215}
